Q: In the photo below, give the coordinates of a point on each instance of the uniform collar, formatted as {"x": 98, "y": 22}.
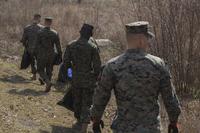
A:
{"x": 81, "y": 39}
{"x": 34, "y": 23}
{"x": 138, "y": 51}
{"x": 48, "y": 28}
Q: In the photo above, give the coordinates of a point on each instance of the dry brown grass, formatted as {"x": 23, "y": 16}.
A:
{"x": 175, "y": 23}
{"x": 68, "y": 18}
{"x": 24, "y": 109}
{"x": 109, "y": 18}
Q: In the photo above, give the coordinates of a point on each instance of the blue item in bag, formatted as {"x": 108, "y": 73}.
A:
{"x": 69, "y": 73}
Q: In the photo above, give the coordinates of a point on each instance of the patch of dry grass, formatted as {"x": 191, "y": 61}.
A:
{"x": 68, "y": 18}
{"x": 108, "y": 17}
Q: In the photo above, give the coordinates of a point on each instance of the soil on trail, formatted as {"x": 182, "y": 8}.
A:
{"x": 24, "y": 108}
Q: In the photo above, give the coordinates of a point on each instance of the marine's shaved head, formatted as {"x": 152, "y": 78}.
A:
{"x": 135, "y": 41}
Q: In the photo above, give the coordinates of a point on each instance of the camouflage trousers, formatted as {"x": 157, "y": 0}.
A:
{"x": 82, "y": 103}
{"x": 33, "y": 61}
{"x": 138, "y": 130}
{"x": 114, "y": 131}
{"x": 45, "y": 69}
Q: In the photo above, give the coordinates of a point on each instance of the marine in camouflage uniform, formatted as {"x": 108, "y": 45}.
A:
{"x": 83, "y": 57}
{"x": 137, "y": 78}
{"x": 29, "y": 41}
{"x": 47, "y": 41}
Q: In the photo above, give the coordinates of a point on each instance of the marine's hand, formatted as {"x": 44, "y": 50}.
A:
{"x": 173, "y": 128}
{"x": 97, "y": 126}
{"x": 60, "y": 57}
{"x": 60, "y": 54}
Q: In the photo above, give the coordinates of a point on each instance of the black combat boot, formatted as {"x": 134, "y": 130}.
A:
{"x": 48, "y": 87}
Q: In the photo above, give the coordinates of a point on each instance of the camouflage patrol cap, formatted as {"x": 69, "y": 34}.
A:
{"x": 140, "y": 27}
{"x": 48, "y": 19}
{"x": 36, "y": 16}
{"x": 86, "y": 29}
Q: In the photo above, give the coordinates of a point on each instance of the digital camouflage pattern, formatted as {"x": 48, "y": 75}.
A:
{"x": 82, "y": 103}
{"x": 83, "y": 57}
{"x": 137, "y": 79}
{"x": 29, "y": 42}
{"x": 30, "y": 36}
{"x": 47, "y": 41}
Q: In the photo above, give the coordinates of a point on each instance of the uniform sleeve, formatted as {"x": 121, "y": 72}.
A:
{"x": 102, "y": 93}
{"x": 57, "y": 43}
{"x": 96, "y": 62}
{"x": 38, "y": 42}
{"x": 24, "y": 38}
{"x": 169, "y": 96}
{"x": 66, "y": 58}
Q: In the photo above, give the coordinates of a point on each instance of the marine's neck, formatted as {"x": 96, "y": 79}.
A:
{"x": 47, "y": 27}
{"x": 137, "y": 45}
{"x": 35, "y": 23}
{"x": 136, "y": 50}
{"x": 83, "y": 39}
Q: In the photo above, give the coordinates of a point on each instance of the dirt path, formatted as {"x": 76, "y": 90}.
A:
{"x": 24, "y": 108}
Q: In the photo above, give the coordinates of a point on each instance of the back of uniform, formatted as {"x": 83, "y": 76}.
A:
{"x": 47, "y": 41}
{"x": 137, "y": 79}
{"x": 30, "y": 36}
{"x": 83, "y": 57}
{"x": 85, "y": 61}
{"x": 29, "y": 41}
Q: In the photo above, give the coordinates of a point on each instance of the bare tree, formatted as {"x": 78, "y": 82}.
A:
{"x": 79, "y": 1}
{"x": 176, "y": 25}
